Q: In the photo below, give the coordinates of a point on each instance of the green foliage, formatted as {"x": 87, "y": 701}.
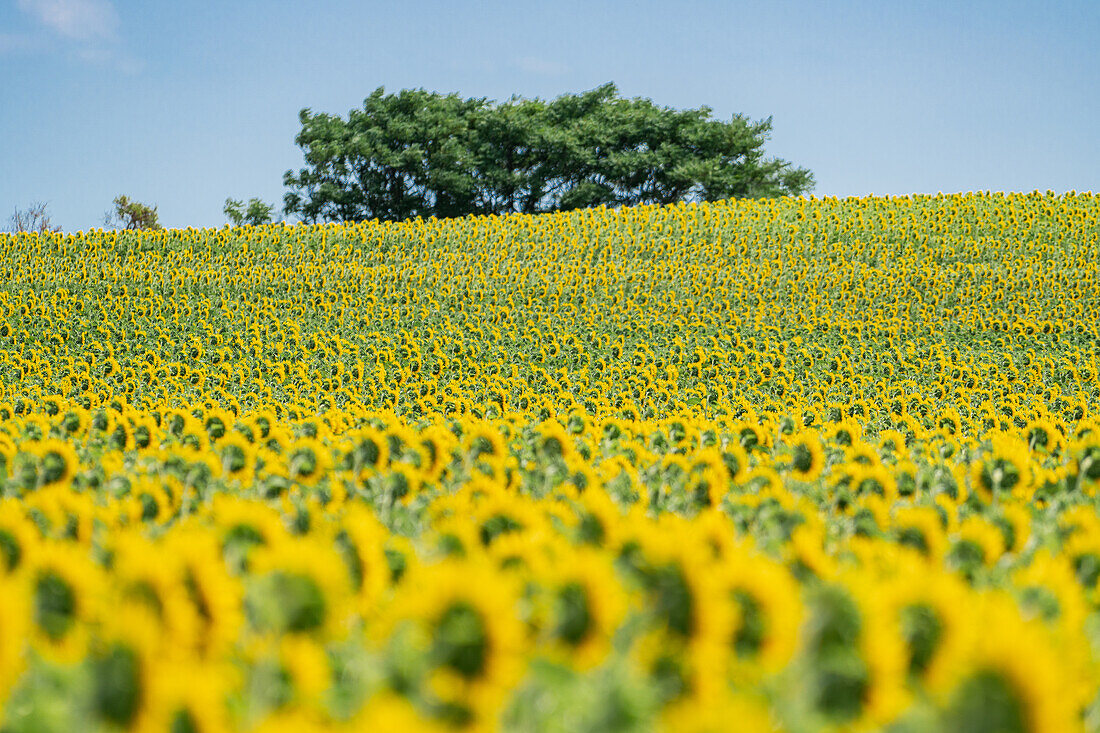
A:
{"x": 419, "y": 153}
{"x": 131, "y": 215}
{"x": 254, "y": 213}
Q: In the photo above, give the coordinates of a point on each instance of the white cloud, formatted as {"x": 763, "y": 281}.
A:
{"x": 543, "y": 67}
{"x": 78, "y": 19}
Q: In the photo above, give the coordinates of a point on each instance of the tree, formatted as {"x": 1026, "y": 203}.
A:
{"x": 418, "y": 153}
{"x": 33, "y": 219}
{"x": 254, "y": 213}
{"x": 131, "y": 215}
{"x": 402, "y": 155}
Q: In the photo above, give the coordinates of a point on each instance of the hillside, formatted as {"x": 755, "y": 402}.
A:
{"x": 807, "y": 461}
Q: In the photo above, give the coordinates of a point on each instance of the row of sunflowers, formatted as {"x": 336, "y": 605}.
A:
{"x": 757, "y": 465}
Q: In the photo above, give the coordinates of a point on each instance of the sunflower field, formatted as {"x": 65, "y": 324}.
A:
{"x": 776, "y": 465}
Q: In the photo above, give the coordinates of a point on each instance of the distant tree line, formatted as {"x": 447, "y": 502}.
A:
{"x": 127, "y": 214}
{"x": 419, "y": 153}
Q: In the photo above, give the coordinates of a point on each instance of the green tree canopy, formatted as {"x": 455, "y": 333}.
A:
{"x": 131, "y": 215}
{"x": 253, "y": 213}
{"x": 419, "y": 153}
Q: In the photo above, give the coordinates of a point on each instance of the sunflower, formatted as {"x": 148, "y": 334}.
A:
{"x": 1015, "y": 523}
{"x": 308, "y": 461}
{"x": 1044, "y": 436}
{"x": 921, "y": 528}
{"x": 844, "y": 432}
{"x": 553, "y": 442}
{"x": 126, "y": 648}
{"x": 873, "y": 480}
{"x": 298, "y": 585}
{"x": 66, "y": 591}
{"x": 217, "y": 422}
{"x": 7, "y": 455}
{"x": 949, "y": 421}
{"x": 690, "y": 617}
{"x": 437, "y": 444}
{"x": 581, "y": 476}
{"x": 752, "y": 437}
{"x": 708, "y": 478}
{"x": 977, "y": 543}
{"x": 74, "y": 421}
{"x": 485, "y": 448}
{"x": 598, "y": 519}
{"x": 365, "y": 450}
{"x": 119, "y": 432}
{"x": 892, "y": 442}
{"x": 261, "y": 423}
{"x": 475, "y": 640}
{"x": 587, "y": 605}
{"x": 244, "y": 524}
{"x": 807, "y": 455}
{"x": 500, "y": 513}
{"x": 238, "y": 456}
{"x": 453, "y": 536}
{"x": 57, "y": 461}
{"x": 1082, "y": 548}
{"x": 981, "y": 680}
{"x": 927, "y": 607}
{"x": 766, "y": 631}
{"x": 403, "y": 482}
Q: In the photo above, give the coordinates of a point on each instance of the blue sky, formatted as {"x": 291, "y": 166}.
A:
{"x": 184, "y": 104}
